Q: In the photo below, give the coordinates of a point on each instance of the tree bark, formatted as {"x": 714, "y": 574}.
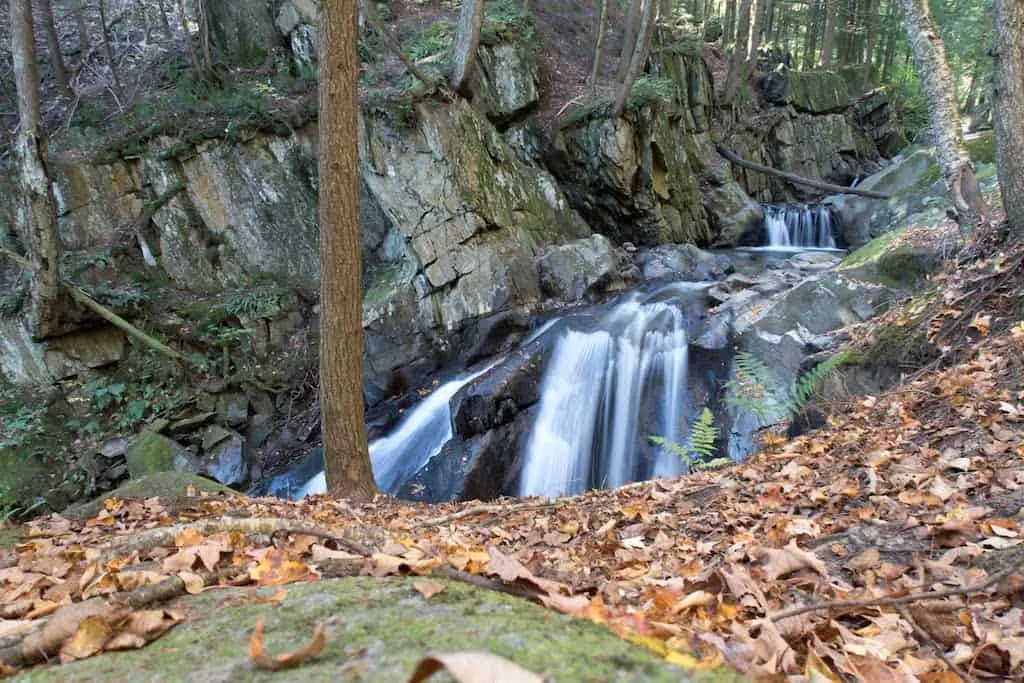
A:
{"x": 346, "y": 458}
{"x": 1008, "y": 108}
{"x": 60, "y": 72}
{"x": 811, "y": 39}
{"x": 870, "y": 30}
{"x": 636, "y": 66}
{"x": 629, "y": 40}
{"x": 37, "y": 213}
{"x": 471, "y": 23}
{"x": 602, "y": 28}
{"x": 754, "y": 41}
{"x": 729, "y": 22}
{"x": 165, "y": 23}
{"x": 947, "y": 133}
{"x": 828, "y": 38}
{"x": 794, "y": 178}
{"x": 115, "y": 72}
{"x": 735, "y": 74}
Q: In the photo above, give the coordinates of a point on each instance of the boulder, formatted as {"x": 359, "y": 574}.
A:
{"x": 681, "y": 262}
{"x": 497, "y": 396}
{"x": 504, "y": 82}
{"x": 226, "y": 461}
{"x": 152, "y": 452}
{"x": 571, "y": 271}
{"x": 813, "y": 92}
{"x": 74, "y": 353}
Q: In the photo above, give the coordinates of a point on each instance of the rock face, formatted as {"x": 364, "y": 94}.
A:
{"x": 812, "y": 92}
{"x": 243, "y": 29}
{"x": 504, "y": 82}
{"x": 570, "y": 271}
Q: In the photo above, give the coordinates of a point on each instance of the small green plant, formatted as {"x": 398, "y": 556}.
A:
{"x": 651, "y": 90}
{"x": 259, "y": 302}
{"x": 698, "y": 451}
{"x": 749, "y": 388}
{"x": 20, "y": 426}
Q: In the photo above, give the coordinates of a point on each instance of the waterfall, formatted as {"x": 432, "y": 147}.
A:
{"x": 412, "y": 444}
{"x": 604, "y": 392}
{"x": 799, "y": 225}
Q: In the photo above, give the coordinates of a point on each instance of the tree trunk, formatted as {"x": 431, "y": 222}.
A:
{"x": 60, "y": 72}
{"x": 729, "y": 22}
{"x": 346, "y": 458}
{"x": 754, "y": 41}
{"x": 37, "y": 213}
{"x": 1008, "y": 108}
{"x": 828, "y": 39}
{"x": 735, "y": 75}
{"x": 471, "y": 23}
{"x": 165, "y": 23}
{"x": 193, "y": 54}
{"x": 636, "y": 66}
{"x": 82, "y": 28}
{"x": 870, "y": 30}
{"x": 937, "y": 86}
{"x": 115, "y": 72}
{"x": 811, "y": 43}
{"x": 602, "y": 28}
{"x": 629, "y": 40}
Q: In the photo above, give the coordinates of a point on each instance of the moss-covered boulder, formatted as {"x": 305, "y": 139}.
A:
{"x": 152, "y": 452}
{"x": 173, "y": 488}
{"x": 26, "y": 479}
{"x": 381, "y": 629}
{"x": 813, "y": 92}
{"x": 902, "y": 259}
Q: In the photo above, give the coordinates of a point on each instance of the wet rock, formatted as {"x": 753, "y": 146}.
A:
{"x": 681, "y": 262}
{"x": 496, "y": 397}
{"x": 232, "y": 408}
{"x": 114, "y": 448}
{"x": 227, "y": 461}
{"x": 571, "y": 271}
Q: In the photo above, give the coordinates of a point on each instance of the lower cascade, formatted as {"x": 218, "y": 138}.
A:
{"x": 799, "y": 225}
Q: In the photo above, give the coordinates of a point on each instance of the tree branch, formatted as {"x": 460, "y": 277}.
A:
{"x": 794, "y": 178}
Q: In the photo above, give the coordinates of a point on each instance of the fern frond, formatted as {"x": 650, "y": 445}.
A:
{"x": 700, "y": 443}
{"x": 803, "y": 388}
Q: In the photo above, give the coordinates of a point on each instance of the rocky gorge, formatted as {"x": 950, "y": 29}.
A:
{"x": 479, "y": 224}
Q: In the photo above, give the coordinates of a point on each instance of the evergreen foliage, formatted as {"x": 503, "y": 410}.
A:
{"x": 698, "y": 451}
{"x": 750, "y": 387}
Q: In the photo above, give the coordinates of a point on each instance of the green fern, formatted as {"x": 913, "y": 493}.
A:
{"x": 750, "y": 385}
{"x": 803, "y": 388}
{"x": 698, "y": 451}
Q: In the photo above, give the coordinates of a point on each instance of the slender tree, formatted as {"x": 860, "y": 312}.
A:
{"x": 471, "y": 22}
{"x": 1008, "y": 108}
{"x": 346, "y": 459}
{"x": 81, "y": 28}
{"x": 108, "y": 50}
{"x": 636, "y": 65}
{"x": 828, "y": 38}
{"x": 729, "y": 22}
{"x": 811, "y": 37}
{"x": 37, "y": 217}
{"x": 754, "y": 39}
{"x": 735, "y": 74}
{"x": 629, "y": 39}
{"x": 947, "y": 134}
{"x": 602, "y": 28}
{"x": 60, "y": 72}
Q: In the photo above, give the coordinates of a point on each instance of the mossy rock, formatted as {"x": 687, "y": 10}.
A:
{"x": 894, "y": 262}
{"x": 152, "y": 452}
{"x": 814, "y": 92}
{"x": 982, "y": 148}
{"x": 383, "y": 628}
{"x": 26, "y": 478}
{"x": 172, "y": 488}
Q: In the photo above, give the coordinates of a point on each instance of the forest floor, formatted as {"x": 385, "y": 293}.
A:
{"x": 886, "y": 546}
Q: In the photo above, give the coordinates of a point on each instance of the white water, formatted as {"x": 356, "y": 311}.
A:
{"x": 411, "y": 445}
{"x": 604, "y": 392}
{"x": 799, "y": 225}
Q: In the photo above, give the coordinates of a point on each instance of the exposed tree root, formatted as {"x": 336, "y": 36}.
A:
{"x": 489, "y": 508}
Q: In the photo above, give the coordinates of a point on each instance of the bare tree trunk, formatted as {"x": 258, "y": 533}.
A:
{"x": 60, "y": 72}
{"x": 829, "y": 38}
{"x": 1008, "y": 108}
{"x": 870, "y": 30}
{"x": 346, "y": 458}
{"x": 811, "y": 43}
{"x": 636, "y": 66}
{"x": 602, "y": 28}
{"x": 729, "y": 23}
{"x": 629, "y": 39}
{"x": 205, "y": 51}
{"x": 735, "y": 74}
{"x": 947, "y": 133}
{"x": 38, "y": 217}
{"x": 193, "y": 54}
{"x": 471, "y": 23}
{"x": 115, "y": 72}
{"x": 754, "y": 40}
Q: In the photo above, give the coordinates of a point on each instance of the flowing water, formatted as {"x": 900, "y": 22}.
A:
{"x": 799, "y": 225}
{"x": 605, "y": 391}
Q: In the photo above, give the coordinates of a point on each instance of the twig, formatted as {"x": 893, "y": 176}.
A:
{"x": 491, "y": 508}
{"x": 927, "y": 637}
{"x": 893, "y": 602}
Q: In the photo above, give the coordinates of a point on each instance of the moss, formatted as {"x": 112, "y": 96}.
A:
{"x": 982, "y": 148}
{"x": 171, "y": 487}
{"x": 25, "y": 478}
{"x": 870, "y": 251}
{"x": 383, "y": 628}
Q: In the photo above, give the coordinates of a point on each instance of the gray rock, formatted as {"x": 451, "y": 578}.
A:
{"x": 571, "y": 271}
{"x": 232, "y": 408}
{"x": 151, "y": 453}
{"x": 114, "y": 448}
{"x": 74, "y": 353}
{"x": 227, "y": 462}
{"x": 681, "y": 262}
{"x": 504, "y": 82}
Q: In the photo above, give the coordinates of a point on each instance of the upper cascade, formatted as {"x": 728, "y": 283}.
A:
{"x": 799, "y": 225}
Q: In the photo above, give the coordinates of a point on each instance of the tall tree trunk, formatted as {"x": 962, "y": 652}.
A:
{"x": 37, "y": 212}
{"x": 735, "y": 75}
{"x": 828, "y": 39}
{"x": 768, "y": 21}
{"x": 636, "y": 66}
{"x": 937, "y": 85}
{"x": 629, "y": 39}
{"x": 81, "y": 28}
{"x": 471, "y": 23}
{"x": 602, "y": 28}
{"x": 346, "y": 458}
{"x": 205, "y": 40}
{"x": 729, "y": 23}
{"x": 115, "y": 72}
{"x": 870, "y": 30}
{"x": 1008, "y": 108}
{"x": 193, "y": 54}
{"x": 754, "y": 40}
{"x": 811, "y": 43}
{"x": 60, "y": 72}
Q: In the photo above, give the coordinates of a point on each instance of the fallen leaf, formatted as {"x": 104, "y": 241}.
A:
{"x": 785, "y": 561}
{"x": 89, "y": 638}
{"x": 262, "y": 660}
{"x": 473, "y": 667}
{"x": 428, "y": 589}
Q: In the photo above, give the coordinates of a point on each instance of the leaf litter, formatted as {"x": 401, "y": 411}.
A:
{"x": 883, "y": 547}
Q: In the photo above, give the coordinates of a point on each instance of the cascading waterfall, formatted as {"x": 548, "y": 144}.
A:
{"x": 417, "y": 439}
{"x": 799, "y": 225}
{"x": 604, "y": 392}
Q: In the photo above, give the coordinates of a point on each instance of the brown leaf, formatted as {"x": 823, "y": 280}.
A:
{"x": 473, "y": 667}
{"x": 785, "y": 561}
{"x": 262, "y": 660}
{"x": 278, "y": 567}
{"x": 428, "y": 589}
{"x": 89, "y": 638}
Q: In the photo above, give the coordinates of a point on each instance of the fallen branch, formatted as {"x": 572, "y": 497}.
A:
{"x": 794, "y": 178}
{"x": 936, "y": 648}
{"x": 893, "y": 602}
{"x": 370, "y": 14}
{"x": 490, "y": 508}
{"x": 117, "y": 321}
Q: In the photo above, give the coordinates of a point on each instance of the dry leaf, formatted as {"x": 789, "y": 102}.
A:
{"x": 785, "y": 561}
{"x": 428, "y": 589}
{"x": 473, "y": 667}
{"x": 262, "y": 660}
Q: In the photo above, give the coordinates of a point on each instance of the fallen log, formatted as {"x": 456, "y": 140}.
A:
{"x": 794, "y": 178}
